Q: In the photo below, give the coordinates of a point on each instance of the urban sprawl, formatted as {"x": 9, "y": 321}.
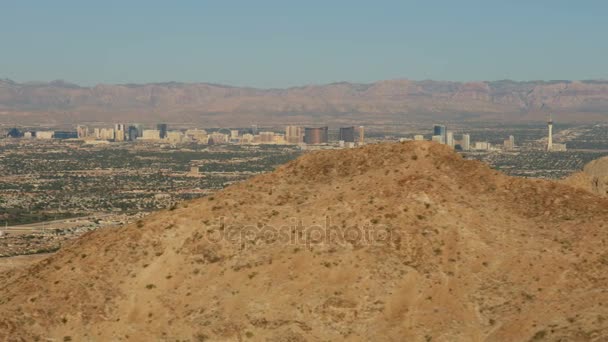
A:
{"x": 346, "y": 136}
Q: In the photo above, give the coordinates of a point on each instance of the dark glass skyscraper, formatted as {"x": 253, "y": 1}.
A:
{"x": 347, "y": 134}
{"x": 162, "y": 129}
{"x": 133, "y": 133}
{"x": 316, "y": 135}
{"x": 442, "y": 131}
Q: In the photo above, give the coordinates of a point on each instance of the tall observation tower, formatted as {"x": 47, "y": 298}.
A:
{"x": 550, "y": 140}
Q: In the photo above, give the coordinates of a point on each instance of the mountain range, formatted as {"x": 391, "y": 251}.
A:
{"x": 383, "y": 101}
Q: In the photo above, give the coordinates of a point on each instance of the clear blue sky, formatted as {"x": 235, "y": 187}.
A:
{"x": 283, "y": 43}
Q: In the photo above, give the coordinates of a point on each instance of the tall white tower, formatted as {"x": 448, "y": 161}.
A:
{"x": 450, "y": 138}
{"x": 361, "y": 135}
{"x": 550, "y": 140}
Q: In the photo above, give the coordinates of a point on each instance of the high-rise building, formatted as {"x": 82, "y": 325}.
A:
{"x": 279, "y": 139}
{"x": 254, "y": 129}
{"x": 132, "y": 133}
{"x": 247, "y": 138}
{"x": 83, "y": 131}
{"x": 509, "y": 144}
{"x": 316, "y": 135}
{"x": 333, "y": 134}
{"x": 450, "y": 138}
{"x": 234, "y": 134}
{"x": 151, "y": 134}
{"x": 119, "y": 132}
{"x": 266, "y": 137}
{"x": 347, "y": 134}
{"x": 437, "y": 139}
{"x": 106, "y": 134}
{"x": 218, "y": 138}
{"x": 361, "y": 135}
{"x": 466, "y": 142}
{"x": 162, "y": 129}
{"x": 441, "y": 131}
{"x": 550, "y": 138}
{"x": 482, "y": 145}
{"x": 140, "y": 129}
{"x": 175, "y": 137}
{"x": 293, "y": 134}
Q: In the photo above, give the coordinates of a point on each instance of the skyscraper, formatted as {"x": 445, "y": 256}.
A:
{"x": 132, "y": 133}
{"x": 316, "y": 135}
{"x": 450, "y": 139}
{"x": 441, "y": 131}
{"x": 140, "y": 129}
{"x": 509, "y": 144}
{"x": 293, "y": 134}
{"x": 347, "y": 134}
{"x": 466, "y": 142}
{"x": 83, "y": 131}
{"x": 151, "y": 134}
{"x": 361, "y": 134}
{"x": 162, "y": 128}
{"x": 119, "y": 132}
{"x": 266, "y": 137}
{"x": 550, "y": 138}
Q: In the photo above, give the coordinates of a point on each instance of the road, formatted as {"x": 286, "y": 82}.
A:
{"x": 50, "y": 225}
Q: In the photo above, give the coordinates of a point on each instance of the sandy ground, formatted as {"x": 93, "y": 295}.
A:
{"x": 20, "y": 261}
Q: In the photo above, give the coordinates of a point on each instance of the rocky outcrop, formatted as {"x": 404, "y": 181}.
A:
{"x": 593, "y": 178}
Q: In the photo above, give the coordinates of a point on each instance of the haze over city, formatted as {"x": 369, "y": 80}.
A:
{"x": 310, "y": 171}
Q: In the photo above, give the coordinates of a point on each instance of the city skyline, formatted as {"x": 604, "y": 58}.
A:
{"x": 301, "y": 135}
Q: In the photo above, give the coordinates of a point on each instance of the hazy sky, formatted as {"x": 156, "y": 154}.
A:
{"x": 293, "y": 42}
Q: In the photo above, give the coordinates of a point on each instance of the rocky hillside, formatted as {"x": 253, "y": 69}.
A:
{"x": 389, "y": 242}
{"x": 386, "y": 100}
{"x": 593, "y": 178}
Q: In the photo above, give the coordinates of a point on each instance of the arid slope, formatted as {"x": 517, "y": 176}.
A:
{"x": 424, "y": 246}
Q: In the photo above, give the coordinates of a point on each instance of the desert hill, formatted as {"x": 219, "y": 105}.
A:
{"x": 383, "y": 101}
{"x": 422, "y": 246}
{"x": 593, "y": 178}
